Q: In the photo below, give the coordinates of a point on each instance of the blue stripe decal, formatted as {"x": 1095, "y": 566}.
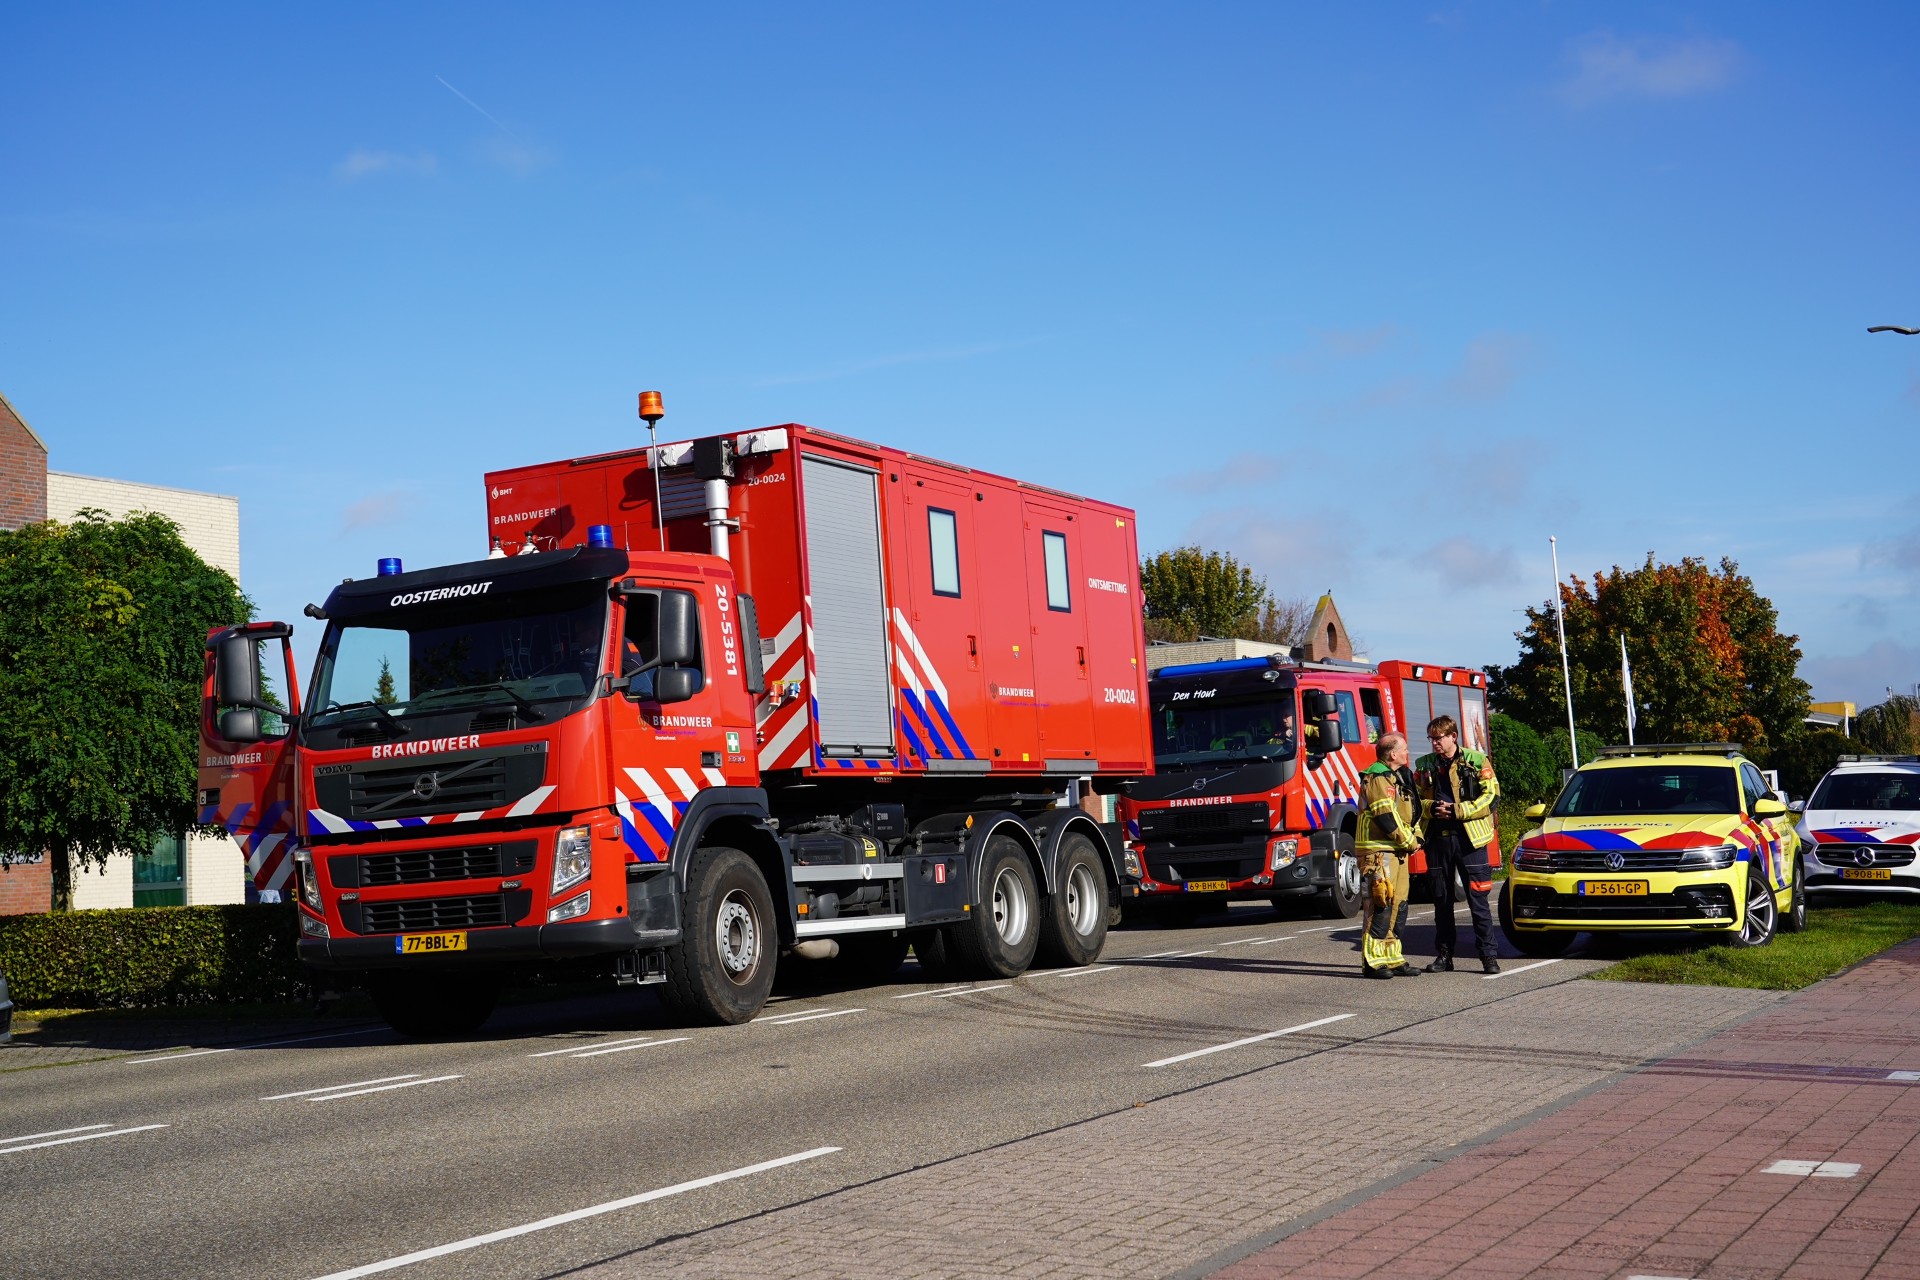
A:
{"x": 237, "y": 817}
{"x": 933, "y": 734}
{"x": 413, "y": 822}
{"x": 655, "y": 819}
{"x": 361, "y": 826}
{"x": 637, "y": 848}
{"x": 1603, "y": 839}
{"x": 952, "y": 728}
{"x": 210, "y": 815}
{"x": 1859, "y": 835}
{"x": 265, "y": 827}
{"x": 913, "y": 739}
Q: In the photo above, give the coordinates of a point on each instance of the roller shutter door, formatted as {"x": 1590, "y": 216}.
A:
{"x": 845, "y": 582}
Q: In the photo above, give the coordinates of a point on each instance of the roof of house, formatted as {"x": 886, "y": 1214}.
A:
{"x": 8, "y": 411}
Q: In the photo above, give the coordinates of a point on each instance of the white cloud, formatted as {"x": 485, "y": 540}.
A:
{"x": 1464, "y": 564}
{"x": 1238, "y": 472}
{"x": 365, "y": 164}
{"x": 1299, "y": 556}
{"x": 1607, "y": 66}
{"x": 388, "y": 507}
{"x": 1487, "y": 369}
{"x": 1329, "y": 345}
{"x": 518, "y": 158}
{"x": 1863, "y": 677}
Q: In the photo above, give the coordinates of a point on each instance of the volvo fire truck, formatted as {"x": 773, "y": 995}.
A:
{"x": 701, "y": 706}
{"x": 1256, "y": 784}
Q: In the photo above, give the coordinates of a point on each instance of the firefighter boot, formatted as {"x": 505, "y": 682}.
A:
{"x": 1442, "y": 961}
{"x": 1490, "y": 963}
{"x": 1368, "y": 971}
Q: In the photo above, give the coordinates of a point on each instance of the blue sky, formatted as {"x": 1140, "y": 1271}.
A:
{"x": 1374, "y": 297}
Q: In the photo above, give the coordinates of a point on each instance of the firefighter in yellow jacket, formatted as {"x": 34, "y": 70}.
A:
{"x": 1457, "y": 791}
{"x": 1387, "y": 836}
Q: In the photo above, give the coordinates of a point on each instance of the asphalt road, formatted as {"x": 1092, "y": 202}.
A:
{"x": 335, "y": 1155}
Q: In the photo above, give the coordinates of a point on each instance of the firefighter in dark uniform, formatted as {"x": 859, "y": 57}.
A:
{"x": 1457, "y": 791}
{"x": 1388, "y": 834}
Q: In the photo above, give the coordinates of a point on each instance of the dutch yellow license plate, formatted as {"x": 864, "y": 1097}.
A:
{"x": 1865, "y": 873}
{"x": 1613, "y": 888}
{"x": 1207, "y": 886}
{"x": 427, "y": 944}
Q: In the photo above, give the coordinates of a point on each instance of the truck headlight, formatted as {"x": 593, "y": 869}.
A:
{"x": 572, "y": 858}
{"x": 1713, "y": 858}
{"x": 571, "y": 907}
{"x": 311, "y": 927}
{"x": 1531, "y": 859}
{"x": 1132, "y": 860}
{"x": 1281, "y": 853}
{"x": 305, "y": 885}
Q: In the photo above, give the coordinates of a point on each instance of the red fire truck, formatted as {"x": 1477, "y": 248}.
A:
{"x": 1257, "y": 761}
{"x": 782, "y": 691}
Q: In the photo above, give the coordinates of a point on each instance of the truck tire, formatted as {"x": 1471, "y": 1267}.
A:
{"x": 999, "y": 939}
{"x": 1345, "y": 893}
{"x": 934, "y": 954}
{"x": 1541, "y": 943}
{"x": 1074, "y": 926}
{"x": 723, "y": 969}
{"x": 434, "y": 1006}
{"x": 870, "y": 957}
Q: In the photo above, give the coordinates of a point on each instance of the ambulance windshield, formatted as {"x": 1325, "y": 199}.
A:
{"x": 518, "y": 658}
{"x": 1624, "y": 791}
{"x": 1196, "y": 725}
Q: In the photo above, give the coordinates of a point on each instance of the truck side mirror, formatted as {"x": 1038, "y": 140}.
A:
{"x": 679, "y": 630}
{"x": 675, "y": 684}
{"x": 1323, "y": 714}
{"x": 240, "y": 724}
{"x": 236, "y": 674}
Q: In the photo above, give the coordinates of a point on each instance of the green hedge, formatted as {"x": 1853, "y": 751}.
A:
{"x": 149, "y": 957}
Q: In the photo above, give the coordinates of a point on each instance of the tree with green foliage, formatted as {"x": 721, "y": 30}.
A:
{"x": 1190, "y": 592}
{"x": 1709, "y": 662}
{"x": 103, "y": 628}
{"x": 1560, "y": 754}
{"x": 383, "y": 692}
{"x": 1520, "y": 760}
{"x": 1888, "y": 729}
{"x": 1804, "y": 760}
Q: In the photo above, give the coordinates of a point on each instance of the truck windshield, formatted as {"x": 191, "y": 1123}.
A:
{"x": 534, "y": 653}
{"x": 1194, "y": 726}
{"x": 1649, "y": 789}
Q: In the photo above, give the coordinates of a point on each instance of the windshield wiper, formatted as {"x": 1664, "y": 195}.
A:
{"x": 387, "y": 717}
{"x": 532, "y": 712}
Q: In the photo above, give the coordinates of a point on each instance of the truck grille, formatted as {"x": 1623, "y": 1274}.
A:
{"x": 1179, "y": 870}
{"x": 419, "y": 915}
{"x": 423, "y": 866}
{"x": 1205, "y": 824}
{"x": 462, "y": 782}
{"x": 1686, "y": 905}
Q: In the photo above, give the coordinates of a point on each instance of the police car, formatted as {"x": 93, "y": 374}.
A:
{"x": 1861, "y": 827}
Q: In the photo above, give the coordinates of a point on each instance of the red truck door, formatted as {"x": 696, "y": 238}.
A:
{"x": 937, "y": 641}
{"x": 248, "y": 780}
{"x": 1058, "y": 616}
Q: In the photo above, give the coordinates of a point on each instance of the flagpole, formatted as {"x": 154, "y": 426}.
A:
{"x": 1626, "y": 687}
{"x": 1566, "y": 668}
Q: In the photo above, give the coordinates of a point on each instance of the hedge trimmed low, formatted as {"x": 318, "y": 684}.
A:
{"x": 148, "y": 957}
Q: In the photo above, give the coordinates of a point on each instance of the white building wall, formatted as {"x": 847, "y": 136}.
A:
{"x": 216, "y": 870}
{"x": 108, "y": 886}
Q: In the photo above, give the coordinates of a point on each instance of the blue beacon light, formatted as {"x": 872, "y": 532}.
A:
{"x": 389, "y": 565}
{"x": 600, "y": 535}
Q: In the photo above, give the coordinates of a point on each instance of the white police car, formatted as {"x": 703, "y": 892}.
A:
{"x": 1861, "y": 827}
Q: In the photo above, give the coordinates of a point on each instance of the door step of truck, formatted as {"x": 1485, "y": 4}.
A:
{"x": 640, "y": 968}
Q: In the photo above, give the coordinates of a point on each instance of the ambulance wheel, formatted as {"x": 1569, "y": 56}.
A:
{"x": 723, "y": 968}
{"x": 435, "y": 1006}
{"x": 1795, "y": 919}
{"x": 999, "y": 939}
{"x": 1540, "y": 943}
{"x": 1762, "y": 914}
{"x": 1344, "y": 895}
{"x": 1074, "y": 926}
{"x": 871, "y": 957}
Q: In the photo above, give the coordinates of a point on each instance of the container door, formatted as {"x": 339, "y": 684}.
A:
{"x": 937, "y": 670}
{"x": 846, "y": 597}
{"x": 1057, "y": 611}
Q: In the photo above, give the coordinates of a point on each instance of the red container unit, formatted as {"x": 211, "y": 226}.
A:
{"x": 789, "y": 693}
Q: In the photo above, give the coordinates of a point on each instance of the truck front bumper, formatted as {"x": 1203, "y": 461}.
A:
{"x": 494, "y": 947}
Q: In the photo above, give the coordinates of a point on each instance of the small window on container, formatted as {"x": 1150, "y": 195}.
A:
{"x": 1055, "y": 547}
{"x": 943, "y": 544}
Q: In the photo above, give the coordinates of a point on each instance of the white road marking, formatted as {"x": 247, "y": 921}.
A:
{"x": 625, "y": 1046}
{"x": 264, "y": 1044}
{"x": 1238, "y": 942}
{"x": 561, "y": 1219}
{"x": 1813, "y": 1168}
{"x": 1326, "y": 928}
{"x": 967, "y": 991}
{"x": 1235, "y": 1044}
{"x": 1907, "y": 1076}
{"x": 52, "y": 1133}
{"x": 1522, "y": 969}
{"x": 1188, "y": 955}
{"x": 355, "y": 1093}
{"x": 1285, "y": 937}
{"x": 1073, "y": 973}
{"x": 352, "y": 1084}
{"x": 934, "y": 992}
{"x": 85, "y": 1137}
{"x": 1155, "y": 955}
{"x": 788, "y": 1019}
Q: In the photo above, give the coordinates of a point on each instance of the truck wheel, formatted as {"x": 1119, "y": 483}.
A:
{"x": 934, "y": 954}
{"x": 723, "y": 969}
{"x": 435, "y": 1006}
{"x": 1795, "y": 920}
{"x": 1344, "y": 894}
{"x": 870, "y": 957}
{"x": 1001, "y": 936}
{"x": 1762, "y": 914}
{"x": 1075, "y": 925}
{"x": 1543, "y": 943}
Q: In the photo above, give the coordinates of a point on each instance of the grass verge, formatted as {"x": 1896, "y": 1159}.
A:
{"x": 1835, "y": 937}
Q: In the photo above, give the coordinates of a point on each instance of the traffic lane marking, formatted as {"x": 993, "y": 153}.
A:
{"x": 934, "y": 991}
{"x": 788, "y": 1019}
{"x": 561, "y": 1219}
{"x": 601, "y": 1046}
{"x": 355, "y": 1093}
{"x": 1508, "y": 973}
{"x": 627, "y": 1047}
{"x": 52, "y": 1133}
{"x": 85, "y": 1137}
{"x": 1073, "y": 973}
{"x": 264, "y": 1044}
{"x": 1235, "y": 1044}
{"x": 329, "y": 1088}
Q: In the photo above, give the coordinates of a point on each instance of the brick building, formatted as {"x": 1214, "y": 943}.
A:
{"x": 180, "y": 869}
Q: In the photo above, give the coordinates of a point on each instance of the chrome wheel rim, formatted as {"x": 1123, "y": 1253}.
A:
{"x": 1349, "y": 876}
{"x": 1760, "y": 910}
{"x": 1011, "y": 910}
{"x": 736, "y": 934}
{"x": 1084, "y": 900}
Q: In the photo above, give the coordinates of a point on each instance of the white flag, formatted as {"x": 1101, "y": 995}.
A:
{"x": 1626, "y": 685}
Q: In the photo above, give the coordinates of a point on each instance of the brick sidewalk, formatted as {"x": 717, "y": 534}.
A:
{"x": 1667, "y": 1173}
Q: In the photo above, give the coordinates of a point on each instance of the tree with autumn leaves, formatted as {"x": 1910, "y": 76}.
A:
{"x": 1709, "y": 662}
